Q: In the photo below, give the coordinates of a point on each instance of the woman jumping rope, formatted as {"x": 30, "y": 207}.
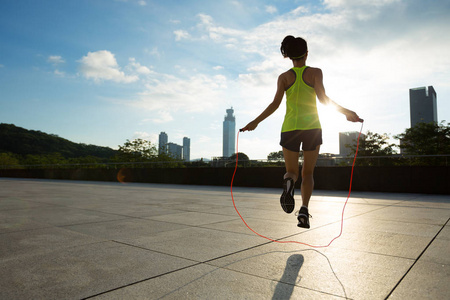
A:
{"x": 301, "y": 125}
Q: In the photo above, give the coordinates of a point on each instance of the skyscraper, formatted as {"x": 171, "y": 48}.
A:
{"x": 423, "y": 105}
{"x": 163, "y": 140}
{"x": 176, "y": 151}
{"x": 229, "y": 132}
{"x": 186, "y": 149}
{"x": 347, "y": 138}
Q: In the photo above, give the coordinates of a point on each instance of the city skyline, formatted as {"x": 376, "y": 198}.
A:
{"x": 106, "y": 71}
{"x": 178, "y": 151}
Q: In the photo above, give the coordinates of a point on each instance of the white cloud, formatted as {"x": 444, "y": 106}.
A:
{"x": 59, "y": 73}
{"x": 218, "y": 68}
{"x": 153, "y": 52}
{"x": 102, "y": 65}
{"x": 218, "y": 33}
{"x": 55, "y": 59}
{"x": 237, "y": 4}
{"x": 139, "y": 2}
{"x": 137, "y": 67}
{"x": 181, "y": 34}
{"x": 163, "y": 116}
{"x": 167, "y": 93}
{"x": 145, "y": 136}
{"x": 271, "y": 9}
{"x": 357, "y": 4}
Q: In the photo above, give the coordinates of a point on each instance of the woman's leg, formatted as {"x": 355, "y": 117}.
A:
{"x": 309, "y": 162}
{"x": 287, "y": 198}
{"x": 291, "y": 162}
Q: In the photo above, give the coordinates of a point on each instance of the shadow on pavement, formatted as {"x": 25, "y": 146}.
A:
{"x": 285, "y": 285}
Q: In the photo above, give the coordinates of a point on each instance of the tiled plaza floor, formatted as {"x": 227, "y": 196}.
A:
{"x": 76, "y": 240}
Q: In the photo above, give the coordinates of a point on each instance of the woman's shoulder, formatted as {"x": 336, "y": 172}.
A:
{"x": 312, "y": 73}
{"x": 287, "y": 75}
{"x": 313, "y": 69}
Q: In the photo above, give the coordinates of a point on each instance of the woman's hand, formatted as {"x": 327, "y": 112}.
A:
{"x": 250, "y": 126}
{"x": 352, "y": 116}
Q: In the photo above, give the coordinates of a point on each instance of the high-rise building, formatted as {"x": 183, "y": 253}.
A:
{"x": 423, "y": 105}
{"x": 229, "y": 132}
{"x": 175, "y": 150}
{"x": 347, "y": 139}
{"x": 163, "y": 140}
{"x": 186, "y": 149}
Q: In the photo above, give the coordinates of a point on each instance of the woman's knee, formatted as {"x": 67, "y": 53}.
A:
{"x": 307, "y": 173}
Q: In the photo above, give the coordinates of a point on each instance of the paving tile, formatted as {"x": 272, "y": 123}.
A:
{"x": 408, "y": 214}
{"x": 346, "y": 273}
{"x": 137, "y": 210}
{"x": 362, "y": 223}
{"x": 227, "y": 210}
{"x": 58, "y": 215}
{"x": 125, "y": 230}
{"x": 16, "y": 244}
{"x": 193, "y": 218}
{"x": 81, "y": 271}
{"x": 438, "y": 252}
{"x": 425, "y": 281}
{"x": 427, "y": 201}
{"x": 208, "y": 282}
{"x": 196, "y": 243}
{"x": 445, "y": 233}
{"x": 387, "y": 243}
{"x": 269, "y": 228}
{"x": 18, "y": 223}
{"x": 13, "y": 203}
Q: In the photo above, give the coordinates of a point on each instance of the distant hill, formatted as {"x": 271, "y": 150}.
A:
{"x": 21, "y": 141}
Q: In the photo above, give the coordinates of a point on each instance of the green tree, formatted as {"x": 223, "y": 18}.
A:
{"x": 426, "y": 139}
{"x": 9, "y": 160}
{"x": 275, "y": 156}
{"x": 138, "y": 150}
{"x": 373, "y": 144}
{"x": 243, "y": 159}
{"x": 53, "y": 160}
{"x": 88, "y": 161}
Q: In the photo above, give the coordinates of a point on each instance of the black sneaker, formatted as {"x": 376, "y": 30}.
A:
{"x": 303, "y": 217}
{"x": 287, "y": 198}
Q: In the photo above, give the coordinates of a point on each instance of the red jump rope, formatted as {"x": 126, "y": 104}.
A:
{"x": 295, "y": 242}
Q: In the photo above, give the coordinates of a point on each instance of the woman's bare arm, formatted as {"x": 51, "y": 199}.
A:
{"x": 324, "y": 99}
{"x": 272, "y": 107}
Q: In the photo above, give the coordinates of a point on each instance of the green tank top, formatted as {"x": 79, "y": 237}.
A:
{"x": 301, "y": 109}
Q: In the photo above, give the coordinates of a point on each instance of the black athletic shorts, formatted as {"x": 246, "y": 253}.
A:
{"x": 309, "y": 139}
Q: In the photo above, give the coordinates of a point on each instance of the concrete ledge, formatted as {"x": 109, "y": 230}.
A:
{"x": 402, "y": 179}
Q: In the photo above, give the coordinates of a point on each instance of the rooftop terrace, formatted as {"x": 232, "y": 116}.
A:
{"x": 100, "y": 240}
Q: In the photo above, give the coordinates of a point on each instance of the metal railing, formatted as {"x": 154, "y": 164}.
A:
{"x": 334, "y": 161}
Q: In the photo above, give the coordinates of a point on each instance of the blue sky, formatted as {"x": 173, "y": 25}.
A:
{"x": 103, "y": 71}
